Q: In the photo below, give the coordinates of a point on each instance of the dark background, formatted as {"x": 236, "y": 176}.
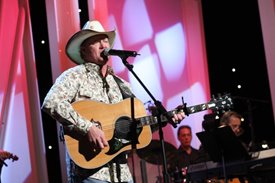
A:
{"x": 233, "y": 40}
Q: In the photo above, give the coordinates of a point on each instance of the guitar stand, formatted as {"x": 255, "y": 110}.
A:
{"x": 161, "y": 111}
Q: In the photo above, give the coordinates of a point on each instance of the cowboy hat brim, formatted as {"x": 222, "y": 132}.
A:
{"x": 74, "y": 43}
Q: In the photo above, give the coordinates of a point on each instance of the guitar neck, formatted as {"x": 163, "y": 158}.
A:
{"x": 151, "y": 120}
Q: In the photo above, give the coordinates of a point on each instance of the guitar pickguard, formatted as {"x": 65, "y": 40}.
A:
{"x": 123, "y": 135}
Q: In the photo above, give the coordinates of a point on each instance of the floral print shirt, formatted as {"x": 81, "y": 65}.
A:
{"x": 84, "y": 82}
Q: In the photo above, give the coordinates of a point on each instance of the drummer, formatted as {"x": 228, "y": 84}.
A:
{"x": 186, "y": 154}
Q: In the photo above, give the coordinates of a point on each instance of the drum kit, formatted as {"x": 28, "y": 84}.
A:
{"x": 152, "y": 154}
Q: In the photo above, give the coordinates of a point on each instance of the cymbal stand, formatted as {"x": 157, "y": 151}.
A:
{"x": 161, "y": 111}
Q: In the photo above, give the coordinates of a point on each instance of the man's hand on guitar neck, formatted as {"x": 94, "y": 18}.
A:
{"x": 97, "y": 137}
{"x": 178, "y": 117}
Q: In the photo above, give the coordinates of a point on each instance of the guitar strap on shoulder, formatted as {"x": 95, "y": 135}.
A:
{"x": 126, "y": 92}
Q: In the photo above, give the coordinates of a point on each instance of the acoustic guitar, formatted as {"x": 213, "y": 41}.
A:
{"x": 125, "y": 125}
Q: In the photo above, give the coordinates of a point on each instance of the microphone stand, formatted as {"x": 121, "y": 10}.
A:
{"x": 250, "y": 118}
{"x": 160, "y": 111}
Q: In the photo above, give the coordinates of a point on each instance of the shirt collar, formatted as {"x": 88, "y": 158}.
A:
{"x": 92, "y": 67}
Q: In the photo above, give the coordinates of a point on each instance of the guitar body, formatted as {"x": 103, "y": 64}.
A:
{"x": 115, "y": 121}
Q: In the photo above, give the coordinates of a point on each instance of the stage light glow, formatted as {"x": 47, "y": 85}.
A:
{"x": 265, "y": 145}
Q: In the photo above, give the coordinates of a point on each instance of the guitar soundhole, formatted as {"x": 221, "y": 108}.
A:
{"x": 123, "y": 128}
{"x": 123, "y": 135}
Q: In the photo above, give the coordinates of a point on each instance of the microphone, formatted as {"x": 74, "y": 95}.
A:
{"x": 121, "y": 53}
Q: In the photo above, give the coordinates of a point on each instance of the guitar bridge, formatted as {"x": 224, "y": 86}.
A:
{"x": 97, "y": 124}
{"x": 123, "y": 141}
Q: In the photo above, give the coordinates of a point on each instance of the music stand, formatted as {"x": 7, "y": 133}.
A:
{"x": 222, "y": 144}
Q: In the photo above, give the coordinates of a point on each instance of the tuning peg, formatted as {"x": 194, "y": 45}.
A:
{"x": 213, "y": 97}
{"x": 184, "y": 107}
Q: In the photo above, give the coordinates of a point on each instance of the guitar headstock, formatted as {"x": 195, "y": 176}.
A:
{"x": 14, "y": 157}
{"x": 7, "y": 155}
{"x": 221, "y": 103}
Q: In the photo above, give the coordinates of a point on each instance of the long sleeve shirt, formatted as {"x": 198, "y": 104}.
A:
{"x": 84, "y": 82}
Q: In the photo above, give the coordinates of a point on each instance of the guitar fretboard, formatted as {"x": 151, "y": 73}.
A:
{"x": 151, "y": 120}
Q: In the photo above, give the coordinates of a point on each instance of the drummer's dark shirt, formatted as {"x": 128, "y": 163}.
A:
{"x": 184, "y": 159}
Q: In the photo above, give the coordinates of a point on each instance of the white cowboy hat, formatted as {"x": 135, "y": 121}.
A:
{"x": 91, "y": 28}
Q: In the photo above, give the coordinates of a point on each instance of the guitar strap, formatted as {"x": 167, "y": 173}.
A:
{"x": 125, "y": 91}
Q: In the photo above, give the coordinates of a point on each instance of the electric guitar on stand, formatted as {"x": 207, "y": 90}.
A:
{"x": 119, "y": 128}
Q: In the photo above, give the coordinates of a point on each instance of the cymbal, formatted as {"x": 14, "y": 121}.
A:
{"x": 153, "y": 152}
